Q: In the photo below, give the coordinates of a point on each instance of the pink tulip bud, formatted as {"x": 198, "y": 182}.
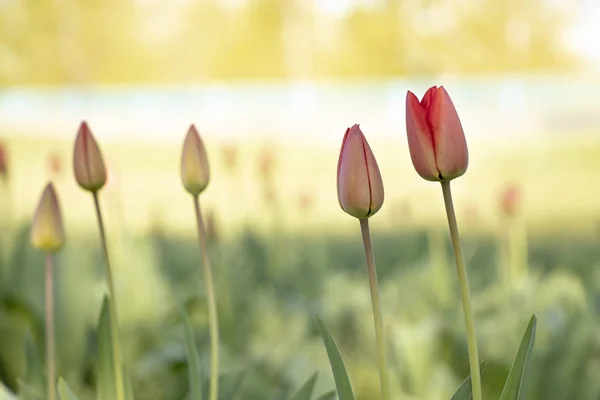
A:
{"x": 195, "y": 172}
{"x": 47, "y": 232}
{"x": 55, "y": 164}
{"x": 359, "y": 184}
{"x": 3, "y": 162}
{"x": 510, "y": 200}
{"x": 88, "y": 164}
{"x": 436, "y": 140}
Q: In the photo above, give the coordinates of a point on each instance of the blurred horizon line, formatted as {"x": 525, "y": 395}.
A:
{"x": 519, "y": 105}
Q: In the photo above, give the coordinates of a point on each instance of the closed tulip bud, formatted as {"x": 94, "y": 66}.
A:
{"x": 3, "y": 162}
{"x": 510, "y": 200}
{"x": 359, "y": 184}
{"x": 47, "y": 232}
{"x": 436, "y": 140}
{"x": 88, "y": 164}
{"x": 195, "y": 173}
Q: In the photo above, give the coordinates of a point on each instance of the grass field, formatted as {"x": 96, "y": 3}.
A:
{"x": 284, "y": 252}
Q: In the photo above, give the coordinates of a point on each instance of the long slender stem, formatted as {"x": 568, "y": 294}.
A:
{"x": 50, "y": 342}
{"x": 213, "y": 322}
{"x": 377, "y": 316}
{"x": 465, "y": 294}
{"x": 117, "y": 357}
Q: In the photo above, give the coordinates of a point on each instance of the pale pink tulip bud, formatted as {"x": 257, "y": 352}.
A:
{"x": 88, "y": 164}
{"x": 436, "y": 140}
{"x": 510, "y": 200}
{"x": 47, "y": 232}
{"x": 359, "y": 184}
{"x": 3, "y": 162}
{"x": 195, "y": 172}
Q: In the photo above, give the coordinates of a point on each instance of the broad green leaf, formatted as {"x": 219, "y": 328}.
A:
{"x": 65, "y": 392}
{"x": 464, "y": 391}
{"x": 515, "y": 384}
{"x": 106, "y": 385}
{"x": 340, "y": 375}
{"x": 327, "y": 396}
{"x": 193, "y": 360}
{"x": 306, "y": 390}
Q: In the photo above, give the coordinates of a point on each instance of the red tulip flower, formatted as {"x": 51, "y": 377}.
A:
{"x": 360, "y": 188}
{"x": 436, "y": 140}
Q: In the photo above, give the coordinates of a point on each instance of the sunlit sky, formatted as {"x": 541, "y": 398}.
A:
{"x": 583, "y": 37}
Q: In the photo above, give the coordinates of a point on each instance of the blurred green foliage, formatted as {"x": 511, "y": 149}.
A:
{"x": 128, "y": 41}
{"x": 280, "y": 262}
{"x": 268, "y": 301}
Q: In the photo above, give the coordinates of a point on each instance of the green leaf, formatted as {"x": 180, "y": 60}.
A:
{"x": 231, "y": 385}
{"x": 515, "y": 384}
{"x": 30, "y": 392}
{"x": 64, "y": 391}
{"x": 128, "y": 386}
{"x": 464, "y": 391}
{"x": 340, "y": 375}
{"x": 193, "y": 360}
{"x": 6, "y": 394}
{"x": 106, "y": 385}
{"x": 306, "y": 390}
{"x": 33, "y": 386}
{"x": 327, "y": 396}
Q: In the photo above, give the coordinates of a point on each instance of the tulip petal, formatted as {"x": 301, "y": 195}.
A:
{"x": 420, "y": 139}
{"x": 353, "y": 190}
{"x": 340, "y": 164}
{"x": 428, "y": 96}
{"x": 451, "y": 152}
{"x": 376, "y": 192}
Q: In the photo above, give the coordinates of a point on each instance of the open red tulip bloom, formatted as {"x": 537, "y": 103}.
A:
{"x": 360, "y": 188}
{"x": 436, "y": 140}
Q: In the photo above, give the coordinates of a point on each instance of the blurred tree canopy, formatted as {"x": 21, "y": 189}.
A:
{"x": 127, "y": 41}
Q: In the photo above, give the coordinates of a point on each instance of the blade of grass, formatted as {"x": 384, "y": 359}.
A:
{"x": 340, "y": 375}
{"x": 515, "y": 383}
{"x": 306, "y": 390}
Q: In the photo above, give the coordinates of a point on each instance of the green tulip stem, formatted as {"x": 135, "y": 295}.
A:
{"x": 50, "y": 342}
{"x": 465, "y": 295}
{"x": 213, "y": 322}
{"x": 118, "y": 366}
{"x": 377, "y": 315}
